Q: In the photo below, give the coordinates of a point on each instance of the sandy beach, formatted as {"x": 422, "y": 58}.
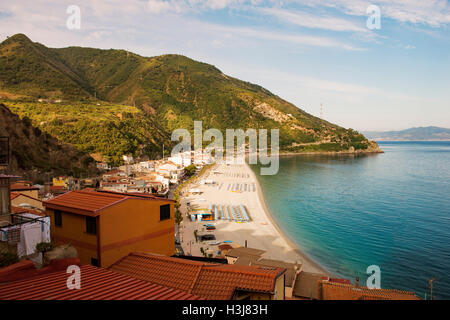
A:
{"x": 260, "y": 233}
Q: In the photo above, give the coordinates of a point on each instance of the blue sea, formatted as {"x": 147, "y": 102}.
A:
{"x": 390, "y": 210}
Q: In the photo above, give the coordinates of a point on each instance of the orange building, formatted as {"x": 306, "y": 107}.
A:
{"x": 106, "y": 226}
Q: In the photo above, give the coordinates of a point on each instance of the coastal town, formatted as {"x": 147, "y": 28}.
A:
{"x": 185, "y": 227}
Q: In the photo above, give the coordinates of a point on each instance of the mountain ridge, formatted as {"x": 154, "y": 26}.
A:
{"x": 429, "y": 133}
{"x": 171, "y": 90}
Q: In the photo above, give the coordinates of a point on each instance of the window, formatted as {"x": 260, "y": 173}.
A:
{"x": 58, "y": 218}
{"x": 94, "y": 262}
{"x": 164, "y": 212}
{"x": 91, "y": 225}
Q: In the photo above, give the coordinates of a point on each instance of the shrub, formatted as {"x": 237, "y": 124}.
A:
{"x": 178, "y": 217}
{"x": 8, "y": 258}
{"x": 44, "y": 246}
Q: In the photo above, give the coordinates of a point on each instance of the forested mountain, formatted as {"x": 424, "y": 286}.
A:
{"x": 35, "y": 153}
{"x": 152, "y": 96}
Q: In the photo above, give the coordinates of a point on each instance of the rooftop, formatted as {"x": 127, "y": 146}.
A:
{"x": 307, "y": 285}
{"x": 291, "y": 268}
{"x": 97, "y": 284}
{"x": 21, "y": 187}
{"x": 18, "y": 210}
{"x": 341, "y": 291}
{"x": 243, "y": 251}
{"x": 88, "y": 202}
{"x": 208, "y": 280}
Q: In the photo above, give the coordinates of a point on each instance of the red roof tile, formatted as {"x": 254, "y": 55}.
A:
{"x": 20, "y": 187}
{"x": 341, "y": 291}
{"x": 208, "y": 280}
{"x": 96, "y": 284}
{"x": 57, "y": 187}
{"x": 18, "y": 210}
{"x": 14, "y": 195}
{"x": 90, "y": 202}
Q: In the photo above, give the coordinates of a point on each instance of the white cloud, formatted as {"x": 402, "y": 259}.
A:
{"x": 159, "y": 6}
{"x": 300, "y": 39}
{"x": 434, "y": 13}
{"x": 304, "y": 19}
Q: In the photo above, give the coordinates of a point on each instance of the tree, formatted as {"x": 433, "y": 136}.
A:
{"x": 178, "y": 217}
{"x": 190, "y": 170}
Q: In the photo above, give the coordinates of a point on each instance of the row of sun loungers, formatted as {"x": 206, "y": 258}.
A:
{"x": 230, "y": 213}
{"x": 237, "y": 175}
{"x": 242, "y": 187}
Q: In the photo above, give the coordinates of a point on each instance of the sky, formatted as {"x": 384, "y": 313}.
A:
{"x": 308, "y": 52}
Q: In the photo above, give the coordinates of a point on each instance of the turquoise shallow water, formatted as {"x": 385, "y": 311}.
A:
{"x": 391, "y": 210}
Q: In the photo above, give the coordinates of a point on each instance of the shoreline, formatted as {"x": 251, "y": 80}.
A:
{"x": 309, "y": 261}
{"x": 331, "y": 153}
{"x": 262, "y": 232}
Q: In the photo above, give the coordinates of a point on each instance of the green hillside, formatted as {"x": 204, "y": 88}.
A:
{"x": 169, "y": 92}
{"x": 34, "y": 153}
{"x": 108, "y": 129}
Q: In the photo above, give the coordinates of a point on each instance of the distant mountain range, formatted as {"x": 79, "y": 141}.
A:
{"x": 413, "y": 134}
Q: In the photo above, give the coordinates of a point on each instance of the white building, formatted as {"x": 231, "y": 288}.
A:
{"x": 103, "y": 166}
{"x": 170, "y": 170}
{"x": 202, "y": 158}
{"x": 183, "y": 159}
{"x": 127, "y": 158}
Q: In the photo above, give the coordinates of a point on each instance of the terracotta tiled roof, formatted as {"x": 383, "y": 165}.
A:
{"x": 339, "y": 291}
{"x": 90, "y": 202}
{"x": 57, "y": 188}
{"x": 20, "y": 187}
{"x": 220, "y": 282}
{"x": 18, "y": 210}
{"x": 208, "y": 280}
{"x": 14, "y": 195}
{"x": 96, "y": 284}
{"x": 291, "y": 268}
{"x": 243, "y": 251}
{"x": 174, "y": 273}
{"x": 307, "y": 285}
